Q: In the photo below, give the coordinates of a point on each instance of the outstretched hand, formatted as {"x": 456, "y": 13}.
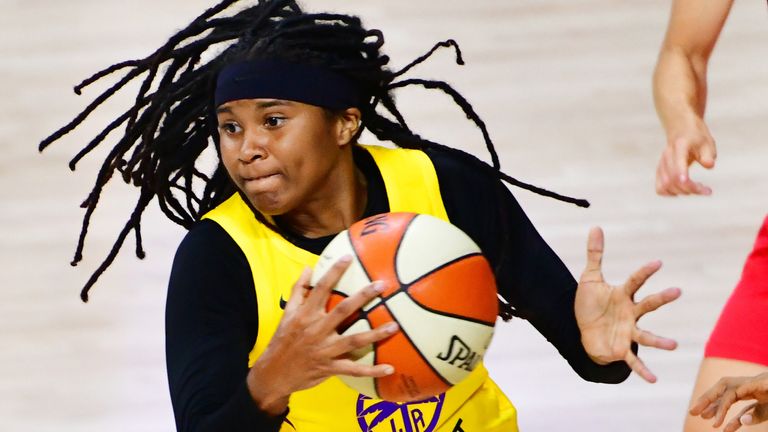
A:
{"x": 306, "y": 348}
{"x": 692, "y": 144}
{"x": 716, "y": 401}
{"x": 607, "y": 315}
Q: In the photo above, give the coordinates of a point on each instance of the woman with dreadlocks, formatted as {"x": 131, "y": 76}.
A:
{"x": 283, "y": 103}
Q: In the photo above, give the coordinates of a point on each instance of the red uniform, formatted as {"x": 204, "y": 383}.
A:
{"x": 741, "y": 332}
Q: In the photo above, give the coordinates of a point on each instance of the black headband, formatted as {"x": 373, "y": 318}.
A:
{"x": 275, "y": 79}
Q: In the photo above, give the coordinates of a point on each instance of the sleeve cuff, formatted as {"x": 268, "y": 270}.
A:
{"x": 252, "y": 415}
{"x": 611, "y": 373}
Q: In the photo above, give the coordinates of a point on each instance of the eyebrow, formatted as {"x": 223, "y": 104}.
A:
{"x": 275, "y": 102}
{"x": 261, "y": 105}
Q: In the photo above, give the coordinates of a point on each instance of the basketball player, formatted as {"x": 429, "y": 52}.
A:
{"x": 739, "y": 343}
{"x": 283, "y": 102}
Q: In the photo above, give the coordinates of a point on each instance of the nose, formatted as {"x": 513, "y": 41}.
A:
{"x": 254, "y": 147}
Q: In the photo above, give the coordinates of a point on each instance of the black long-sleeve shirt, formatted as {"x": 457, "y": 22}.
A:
{"x": 212, "y": 318}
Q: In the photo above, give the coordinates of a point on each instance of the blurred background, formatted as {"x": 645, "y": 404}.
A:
{"x": 564, "y": 87}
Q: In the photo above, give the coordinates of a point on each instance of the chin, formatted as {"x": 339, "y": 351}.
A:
{"x": 268, "y": 205}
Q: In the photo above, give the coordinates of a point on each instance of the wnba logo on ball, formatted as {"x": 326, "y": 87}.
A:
{"x": 375, "y": 224}
{"x": 384, "y": 416}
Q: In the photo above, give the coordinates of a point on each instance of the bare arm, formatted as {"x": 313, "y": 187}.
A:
{"x": 680, "y": 92}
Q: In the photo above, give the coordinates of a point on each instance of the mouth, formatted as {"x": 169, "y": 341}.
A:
{"x": 263, "y": 183}
{"x": 260, "y": 178}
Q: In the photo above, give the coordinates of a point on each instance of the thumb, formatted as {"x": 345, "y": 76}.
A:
{"x": 758, "y": 414}
{"x": 708, "y": 154}
{"x": 595, "y": 244}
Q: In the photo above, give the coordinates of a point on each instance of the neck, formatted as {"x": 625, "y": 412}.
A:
{"x": 339, "y": 205}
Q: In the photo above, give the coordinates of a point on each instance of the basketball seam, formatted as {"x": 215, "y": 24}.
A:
{"x": 450, "y": 315}
{"x": 418, "y": 351}
{"x": 397, "y": 249}
{"x": 442, "y": 266}
{"x": 357, "y": 255}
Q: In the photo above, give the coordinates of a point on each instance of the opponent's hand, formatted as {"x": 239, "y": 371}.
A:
{"x": 607, "y": 315}
{"x": 692, "y": 143}
{"x": 306, "y": 349}
{"x": 716, "y": 401}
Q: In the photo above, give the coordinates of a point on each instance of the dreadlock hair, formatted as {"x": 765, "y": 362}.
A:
{"x": 172, "y": 123}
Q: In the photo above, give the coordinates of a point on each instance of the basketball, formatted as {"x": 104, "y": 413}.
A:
{"x": 440, "y": 290}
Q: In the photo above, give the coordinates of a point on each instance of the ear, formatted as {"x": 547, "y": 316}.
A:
{"x": 348, "y": 122}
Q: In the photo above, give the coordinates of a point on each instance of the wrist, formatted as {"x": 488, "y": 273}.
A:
{"x": 597, "y": 360}
{"x": 684, "y": 125}
{"x": 266, "y": 392}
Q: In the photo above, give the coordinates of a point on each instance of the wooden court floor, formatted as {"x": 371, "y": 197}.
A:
{"x": 564, "y": 87}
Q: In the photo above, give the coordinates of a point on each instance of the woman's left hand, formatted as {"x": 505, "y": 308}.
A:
{"x": 607, "y": 315}
{"x": 716, "y": 401}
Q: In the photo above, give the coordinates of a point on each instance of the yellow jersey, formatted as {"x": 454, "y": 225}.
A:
{"x": 474, "y": 405}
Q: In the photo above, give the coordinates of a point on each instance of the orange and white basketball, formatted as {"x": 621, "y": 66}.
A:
{"x": 440, "y": 290}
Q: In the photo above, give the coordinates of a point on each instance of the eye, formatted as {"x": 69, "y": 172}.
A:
{"x": 274, "y": 121}
{"x": 230, "y": 128}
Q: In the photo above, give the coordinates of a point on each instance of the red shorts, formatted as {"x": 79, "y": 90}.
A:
{"x": 741, "y": 332}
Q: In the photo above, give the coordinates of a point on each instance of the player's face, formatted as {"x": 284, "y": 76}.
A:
{"x": 282, "y": 155}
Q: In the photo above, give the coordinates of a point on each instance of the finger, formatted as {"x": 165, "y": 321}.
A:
{"x": 661, "y": 183}
{"x": 744, "y": 417}
{"x": 352, "y": 342}
{"x": 664, "y": 175}
{"x": 351, "y": 304}
{"x": 638, "y": 278}
{"x": 686, "y": 186}
{"x": 710, "y": 411}
{"x": 681, "y": 160}
{"x": 709, "y": 397}
{"x": 639, "y": 367}
{"x": 759, "y": 415}
{"x": 708, "y": 153}
{"x": 297, "y": 292}
{"x": 689, "y": 187}
{"x": 755, "y": 388}
{"x": 733, "y": 425}
{"x": 322, "y": 289}
{"x": 702, "y": 189}
{"x": 595, "y": 244}
{"x": 728, "y": 398}
{"x": 352, "y": 368}
{"x": 646, "y": 338}
{"x": 655, "y": 301}
{"x": 676, "y": 172}
{"x": 662, "y": 179}
{"x": 705, "y": 154}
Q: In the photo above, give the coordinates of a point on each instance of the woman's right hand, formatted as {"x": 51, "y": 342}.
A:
{"x": 306, "y": 349}
{"x": 689, "y": 144}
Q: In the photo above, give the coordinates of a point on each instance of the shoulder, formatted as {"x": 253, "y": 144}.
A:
{"x": 206, "y": 260}
{"x": 458, "y": 167}
{"x": 206, "y": 241}
{"x": 466, "y": 181}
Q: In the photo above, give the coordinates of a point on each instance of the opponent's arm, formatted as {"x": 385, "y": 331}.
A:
{"x": 680, "y": 92}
